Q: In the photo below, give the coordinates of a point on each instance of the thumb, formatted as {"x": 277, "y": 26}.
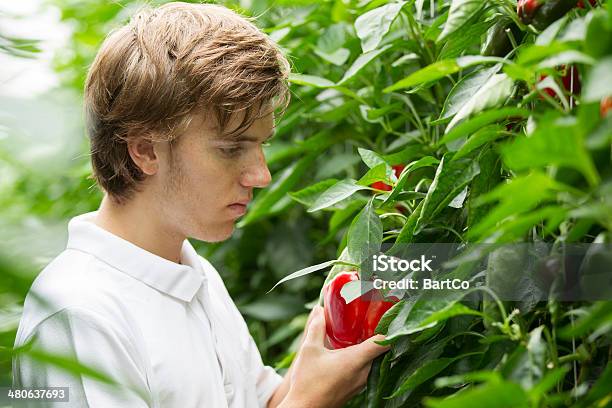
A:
{"x": 369, "y": 350}
{"x": 315, "y": 331}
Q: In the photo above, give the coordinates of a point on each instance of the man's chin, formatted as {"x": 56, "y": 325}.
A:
{"x": 220, "y": 235}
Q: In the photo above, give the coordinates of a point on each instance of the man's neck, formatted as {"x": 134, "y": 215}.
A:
{"x": 139, "y": 223}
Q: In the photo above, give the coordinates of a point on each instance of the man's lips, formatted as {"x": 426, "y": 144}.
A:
{"x": 238, "y": 208}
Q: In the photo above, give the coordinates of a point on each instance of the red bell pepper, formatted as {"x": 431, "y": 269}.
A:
{"x": 580, "y": 3}
{"x": 379, "y": 185}
{"x": 566, "y": 78}
{"x": 605, "y": 106}
{"x": 349, "y": 324}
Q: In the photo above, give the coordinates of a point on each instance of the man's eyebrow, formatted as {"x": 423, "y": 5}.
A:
{"x": 250, "y": 138}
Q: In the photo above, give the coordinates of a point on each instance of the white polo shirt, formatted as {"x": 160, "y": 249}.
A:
{"x": 168, "y": 332}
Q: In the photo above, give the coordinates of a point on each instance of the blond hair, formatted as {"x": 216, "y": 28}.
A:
{"x": 152, "y": 74}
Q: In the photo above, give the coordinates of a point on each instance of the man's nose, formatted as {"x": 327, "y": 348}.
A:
{"x": 257, "y": 173}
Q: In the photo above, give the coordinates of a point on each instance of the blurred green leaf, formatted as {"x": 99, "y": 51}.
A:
{"x": 372, "y": 26}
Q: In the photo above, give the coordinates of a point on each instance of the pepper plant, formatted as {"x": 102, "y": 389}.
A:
{"x": 496, "y": 113}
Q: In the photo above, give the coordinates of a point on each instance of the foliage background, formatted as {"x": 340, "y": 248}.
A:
{"x": 377, "y": 84}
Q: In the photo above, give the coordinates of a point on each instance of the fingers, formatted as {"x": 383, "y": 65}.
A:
{"x": 310, "y": 316}
{"x": 373, "y": 350}
{"x": 315, "y": 332}
{"x": 369, "y": 350}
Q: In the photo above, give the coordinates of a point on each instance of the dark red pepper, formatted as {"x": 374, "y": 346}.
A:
{"x": 526, "y": 10}
{"x": 379, "y": 185}
{"x": 497, "y": 42}
{"x": 349, "y": 324}
{"x": 580, "y": 3}
{"x": 548, "y": 12}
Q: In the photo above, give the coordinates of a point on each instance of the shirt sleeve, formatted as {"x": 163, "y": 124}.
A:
{"x": 267, "y": 379}
{"x": 82, "y": 336}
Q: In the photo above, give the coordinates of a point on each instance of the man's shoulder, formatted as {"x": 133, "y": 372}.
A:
{"x": 73, "y": 280}
{"x": 71, "y": 275}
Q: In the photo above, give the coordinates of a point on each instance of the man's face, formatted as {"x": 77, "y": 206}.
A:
{"x": 206, "y": 180}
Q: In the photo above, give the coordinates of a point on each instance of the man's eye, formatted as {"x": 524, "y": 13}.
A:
{"x": 231, "y": 150}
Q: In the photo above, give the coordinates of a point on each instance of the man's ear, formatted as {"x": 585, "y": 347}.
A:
{"x": 143, "y": 154}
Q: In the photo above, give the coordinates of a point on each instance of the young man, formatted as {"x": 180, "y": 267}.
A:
{"x": 178, "y": 105}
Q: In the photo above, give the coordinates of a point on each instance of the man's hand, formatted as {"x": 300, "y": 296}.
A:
{"x": 328, "y": 378}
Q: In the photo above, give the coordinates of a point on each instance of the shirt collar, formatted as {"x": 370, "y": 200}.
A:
{"x": 181, "y": 281}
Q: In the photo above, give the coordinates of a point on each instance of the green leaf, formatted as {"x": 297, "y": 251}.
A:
{"x": 494, "y": 92}
{"x": 554, "y": 142}
{"x": 68, "y": 364}
{"x": 534, "y": 53}
{"x": 464, "y": 38}
{"x": 406, "y": 155}
{"x": 550, "y": 380}
{"x": 361, "y": 62}
{"x": 481, "y": 137}
{"x": 537, "y": 352}
{"x": 465, "y": 89}
{"x": 408, "y": 230}
{"x": 426, "y": 161}
{"x": 430, "y": 73}
{"x": 304, "y": 271}
{"x": 567, "y": 58}
{"x": 336, "y": 193}
{"x": 547, "y": 36}
{"x": 377, "y": 173}
{"x": 338, "y": 57}
{"x": 333, "y": 38}
{"x": 365, "y": 234}
{"x": 426, "y": 372}
{"x": 440, "y": 69}
{"x": 454, "y": 309}
{"x": 491, "y": 395}
{"x": 520, "y": 195}
{"x": 372, "y": 26}
{"x": 472, "y": 125}
{"x": 600, "y": 390}
{"x": 596, "y": 316}
{"x": 489, "y": 177}
{"x": 524, "y": 367}
{"x": 450, "y": 179}
{"x": 470, "y": 377}
{"x": 598, "y": 42}
{"x": 370, "y": 158}
{"x": 420, "y": 357}
{"x": 422, "y": 374}
{"x": 308, "y": 195}
{"x": 425, "y": 312}
{"x": 460, "y": 12}
{"x": 336, "y": 164}
{"x": 599, "y": 81}
{"x": 310, "y": 80}
{"x": 341, "y": 216}
{"x": 281, "y": 186}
